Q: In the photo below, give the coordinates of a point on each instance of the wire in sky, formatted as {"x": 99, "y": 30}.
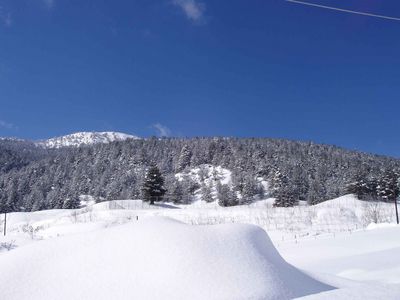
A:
{"x": 345, "y": 10}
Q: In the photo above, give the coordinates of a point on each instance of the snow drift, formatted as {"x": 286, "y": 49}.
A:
{"x": 154, "y": 258}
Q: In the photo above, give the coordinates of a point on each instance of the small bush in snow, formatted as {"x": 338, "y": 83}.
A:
{"x": 31, "y": 230}
{"x": 7, "y": 245}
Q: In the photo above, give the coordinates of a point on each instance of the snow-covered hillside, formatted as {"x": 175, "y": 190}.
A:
{"x": 85, "y": 138}
{"x": 207, "y": 175}
{"x": 210, "y": 176}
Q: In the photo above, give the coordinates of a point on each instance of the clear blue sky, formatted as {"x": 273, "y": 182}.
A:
{"x": 202, "y": 68}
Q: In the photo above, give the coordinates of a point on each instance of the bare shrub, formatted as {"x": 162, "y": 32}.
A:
{"x": 8, "y": 245}
{"x": 31, "y": 230}
{"x": 372, "y": 211}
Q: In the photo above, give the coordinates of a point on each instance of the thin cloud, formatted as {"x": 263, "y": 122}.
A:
{"x": 8, "y": 20}
{"x": 5, "y": 17}
{"x": 194, "y": 10}
{"x": 6, "y": 125}
{"x": 49, "y": 3}
{"x": 161, "y": 130}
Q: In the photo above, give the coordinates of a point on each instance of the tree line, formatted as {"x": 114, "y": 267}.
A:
{"x": 33, "y": 178}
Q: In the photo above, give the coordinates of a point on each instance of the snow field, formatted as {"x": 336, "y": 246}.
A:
{"x": 331, "y": 241}
{"x": 155, "y": 258}
{"x": 345, "y": 214}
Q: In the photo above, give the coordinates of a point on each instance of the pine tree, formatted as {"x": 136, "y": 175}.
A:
{"x": 12, "y": 199}
{"x": 363, "y": 185}
{"x": 363, "y": 188}
{"x": 206, "y": 194}
{"x": 281, "y": 191}
{"x": 300, "y": 182}
{"x": 226, "y": 197}
{"x": 284, "y": 198}
{"x": 249, "y": 190}
{"x": 153, "y": 185}
{"x": 388, "y": 189}
{"x": 71, "y": 203}
{"x": 39, "y": 200}
{"x": 184, "y": 158}
{"x": 177, "y": 193}
{"x": 315, "y": 193}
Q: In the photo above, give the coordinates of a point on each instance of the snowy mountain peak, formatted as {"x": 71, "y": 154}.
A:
{"x": 85, "y": 138}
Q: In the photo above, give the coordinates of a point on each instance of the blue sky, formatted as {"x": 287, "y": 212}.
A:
{"x": 202, "y": 68}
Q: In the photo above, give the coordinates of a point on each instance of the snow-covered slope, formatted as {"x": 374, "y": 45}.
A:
{"x": 363, "y": 265}
{"x": 85, "y": 138}
{"x": 329, "y": 241}
{"x": 154, "y": 258}
{"x": 207, "y": 175}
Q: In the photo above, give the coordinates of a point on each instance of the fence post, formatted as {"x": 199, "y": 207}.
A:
{"x": 5, "y": 223}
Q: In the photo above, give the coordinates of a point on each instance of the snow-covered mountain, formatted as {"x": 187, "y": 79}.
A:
{"x": 12, "y": 139}
{"x": 85, "y": 138}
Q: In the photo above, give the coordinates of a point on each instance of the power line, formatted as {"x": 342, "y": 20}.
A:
{"x": 345, "y": 10}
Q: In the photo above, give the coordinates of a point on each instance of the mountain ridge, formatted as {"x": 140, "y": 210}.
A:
{"x": 84, "y": 138}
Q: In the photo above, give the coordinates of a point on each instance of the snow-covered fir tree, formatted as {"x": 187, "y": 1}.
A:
{"x": 388, "y": 186}
{"x": 282, "y": 191}
{"x": 71, "y": 202}
{"x": 184, "y": 158}
{"x": 153, "y": 186}
{"x": 206, "y": 193}
{"x": 226, "y": 196}
{"x": 177, "y": 194}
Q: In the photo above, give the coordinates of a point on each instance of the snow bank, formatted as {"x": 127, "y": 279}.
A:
{"x": 363, "y": 265}
{"x": 155, "y": 258}
{"x": 373, "y": 226}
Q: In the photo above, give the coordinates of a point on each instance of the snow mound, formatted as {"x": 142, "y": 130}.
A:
{"x": 154, "y": 258}
{"x": 85, "y": 138}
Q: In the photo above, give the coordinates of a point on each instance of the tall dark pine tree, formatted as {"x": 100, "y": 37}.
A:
{"x": 226, "y": 197}
{"x": 249, "y": 190}
{"x": 153, "y": 185}
{"x": 281, "y": 191}
{"x": 316, "y": 192}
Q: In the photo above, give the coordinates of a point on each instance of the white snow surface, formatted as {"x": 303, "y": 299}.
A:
{"x": 155, "y": 258}
{"x": 363, "y": 265}
{"x": 128, "y": 248}
{"x": 85, "y": 138}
